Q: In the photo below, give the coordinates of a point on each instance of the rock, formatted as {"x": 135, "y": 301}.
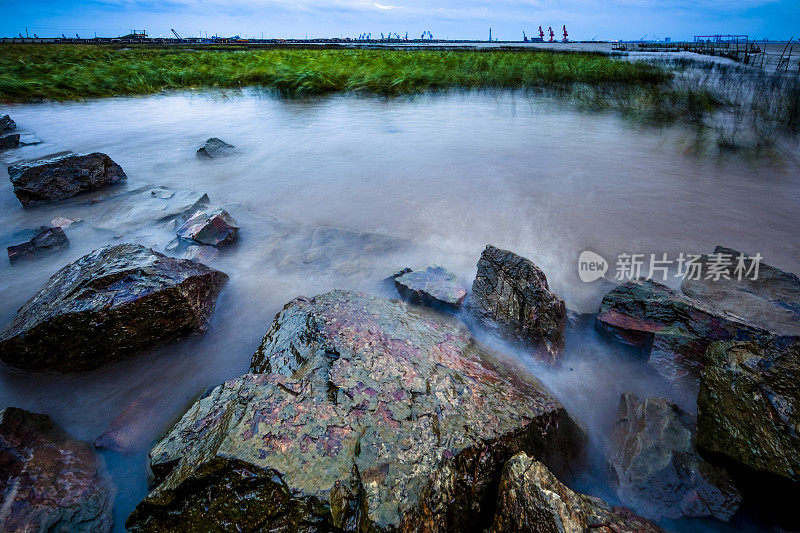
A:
{"x": 6, "y": 124}
{"x": 512, "y": 292}
{"x": 203, "y": 254}
{"x": 365, "y": 414}
{"x": 658, "y": 472}
{"x": 128, "y": 431}
{"x": 142, "y": 208}
{"x": 109, "y": 304}
{"x": 9, "y": 141}
{"x": 771, "y": 301}
{"x": 214, "y": 148}
{"x": 748, "y": 408}
{"x": 62, "y": 177}
{"x": 673, "y": 329}
{"x": 532, "y": 499}
{"x": 27, "y": 139}
{"x": 435, "y": 286}
{"x": 63, "y": 222}
{"x": 213, "y": 228}
{"x": 49, "y": 481}
{"x": 46, "y": 241}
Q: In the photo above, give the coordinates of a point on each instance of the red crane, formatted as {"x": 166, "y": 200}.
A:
{"x": 541, "y": 33}
{"x": 552, "y": 34}
{"x": 565, "y": 33}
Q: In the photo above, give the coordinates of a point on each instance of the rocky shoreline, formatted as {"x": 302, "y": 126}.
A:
{"x": 363, "y": 413}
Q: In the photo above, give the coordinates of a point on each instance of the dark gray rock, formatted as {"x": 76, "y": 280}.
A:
{"x": 49, "y": 481}
{"x": 512, "y": 292}
{"x": 659, "y": 473}
{"x": 109, "y": 304}
{"x": 771, "y": 301}
{"x": 434, "y": 286}
{"x": 6, "y": 124}
{"x": 214, "y": 148}
{"x": 48, "y": 240}
{"x": 366, "y": 414}
{"x": 531, "y": 499}
{"x": 9, "y": 141}
{"x": 47, "y": 180}
{"x": 214, "y": 228}
{"x": 748, "y": 408}
{"x": 673, "y": 329}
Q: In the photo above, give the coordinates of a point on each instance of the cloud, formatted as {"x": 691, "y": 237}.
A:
{"x": 385, "y": 8}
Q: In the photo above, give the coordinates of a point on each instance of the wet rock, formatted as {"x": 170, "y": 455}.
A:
{"x": 141, "y": 208}
{"x": 63, "y": 222}
{"x": 48, "y": 240}
{"x": 202, "y": 254}
{"x": 214, "y": 148}
{"x": 109, "y": 304}
{"x": 27, "y": 139}
{"x": 532, "y": 499}
{"x": 435, "y": 286}
{"x": 9, "y": 141}
{"x": 748, "y": 408}
{"x": 365, "y": 414}
{"x": 659, "y": 474}
{"x": 6, "y": 124}
{"x": 62, "y": 177}
{"x": 771, "y": 301}
{"x": 49, "y": 481}
{"x": 215, "y": 227}
{"x": 512, "y": 292}
{"x": 673, "y": 329}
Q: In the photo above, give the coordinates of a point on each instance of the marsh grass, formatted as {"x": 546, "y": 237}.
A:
{"x": 68, "y": 72}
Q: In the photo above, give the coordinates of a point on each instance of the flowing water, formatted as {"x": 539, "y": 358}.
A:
{"x": 341, "y": 192}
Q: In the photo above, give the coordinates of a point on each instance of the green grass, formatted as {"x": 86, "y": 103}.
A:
{"x": 70, "y": 72}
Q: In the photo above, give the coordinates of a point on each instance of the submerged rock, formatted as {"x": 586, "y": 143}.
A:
{"x": 62, "y": 177}
{"x": 658, "y": 471}
{"x": 366, "y": 415}
{"x": 512, "y": 292}
{"x": 435, "y": 286}
{"x": 49, "y": 481}
{"x": 109, "y": 304}
{"x": 6, "y": 124}
{"x": 771, "y": 300}
{"x": 203, "y": 254}
{"x": 128, "y": 431}
{"x": 748, "y": 408}
{"x": 48, "y": 240}
{"x": 213, "y": 228}
{"x": 214, "y": 148}
{"x": 673, "y": 329}
{"x": 9, "y": 141}
{"x": 532, "y": 499}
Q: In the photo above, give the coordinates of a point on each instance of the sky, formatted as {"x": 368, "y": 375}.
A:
{"x": 451, "y": 19}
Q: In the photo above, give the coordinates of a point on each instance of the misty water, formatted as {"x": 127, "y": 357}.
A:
{"x": 341, "y": 192}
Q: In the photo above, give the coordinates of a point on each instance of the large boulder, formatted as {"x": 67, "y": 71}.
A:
{"x": 45, "y": 241}
{"x": 434, "y": 286}
{"x": 214, "y": 148}
{"x": 213, "y": 228}
{"x": 6, "y": 124}
{"x": 659, "y": 473}
{"x": 62, "y": 177}
{"x": 364, "y": 414}
{"x": 673, "y": 329}
{"x": 531, "y": 498}
{"x": 108, "y": 304}
{"x": 749, "y": 288}
{"x": 511, "y": 292}
{"x": 49, "y": 481}
{"x": 748, "y": 408}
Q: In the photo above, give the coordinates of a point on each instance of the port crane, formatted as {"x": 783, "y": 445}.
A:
{"x": 541, "y": 33}
{"x": 552, "y": 34}
{"x": 176, "y": 34}
{"x": 565, "y": 34}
